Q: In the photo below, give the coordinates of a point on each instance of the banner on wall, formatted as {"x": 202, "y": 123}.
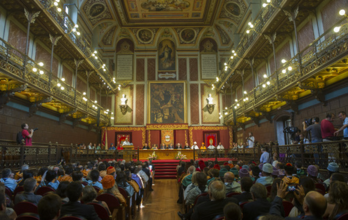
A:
{"x": 105, "y": 139}
{"x": 167, "y": 137}
{"x": 122, "y": 137}
{"x": 210, "y": 139}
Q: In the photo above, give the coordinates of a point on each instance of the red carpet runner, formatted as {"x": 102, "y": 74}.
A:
{"x": 165, "y": 169}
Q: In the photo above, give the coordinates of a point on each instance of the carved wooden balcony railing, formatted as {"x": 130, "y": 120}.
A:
{"x": 67, "y": 25}
{"x": 322, "y": 52}
{"x": 23, "y": 70}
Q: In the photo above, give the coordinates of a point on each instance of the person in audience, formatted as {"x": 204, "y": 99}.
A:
{"x": 289, "y": 178}
{"x": 188, "y": 178}
{"x": 264, "y": 156}
{"x": 145, "y": 147}
{"x": 343, "y": 116}
{"x": 110, "y": 187}
{"x": 89, "y": 195}
{"x": 102, "y": 170}
{"x": 61, "y": 191}
{"x": 28, "y": 193}
{"x": 19, "y": 174}
{"x": 312, "y": 172}
{"x": 9, "y": 212}
{"x": 274, "y": 159}
{"x": 74, "y": 207}
{"x": 245, "y": 196}
{"x": 335, "y": 177}
{"x": 216, "y": 203}
{"x": 67, "y": 175}
{"x": 280, "y": 167}
{"x": 232, "y": 212}
{"x": 307, "y": 184}
{"x": 275, "y": 183}
{"x": 255, "y": 173}
{"x": 27, "y": 135}
{"x": 41, "y": 173}
{"x": 214, "y": 174}
{"x": 94, "y": 177}
{"x": 122, "y": 182}
{"x": 77, "y": 177}
{"x": 332, "y": 168}
{"x": 243, "y": 173}
{"x": 49, "y": 207}
{"x": 259, "y": 206}
{"x": 199, "y": 187}
{"x": 50, "y": 180}
{"x": 145, "y": 168}
{"x": 338, "y": 199}
{"x": 26, "y": 174}
{"x": 266, "y": 175}
{"x": 111, "y": 171}
{"x": 231, "y": 184}
{"x": 133, "y": 183}
{"x": 314, "y": 204}
{"x": 4, "y": 216}
{"x": 300, "y": 172}
{"x": 142, "y": 174}
{"x": 7, "y": 179}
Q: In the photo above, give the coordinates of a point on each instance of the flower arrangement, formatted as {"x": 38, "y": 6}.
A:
{"x": 180, "y": 156}
{"x": 153, "y": 156}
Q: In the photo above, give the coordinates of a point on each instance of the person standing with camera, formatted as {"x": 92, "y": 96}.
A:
{"x": 26, "y": 135}
{"x": 315, "y": 130}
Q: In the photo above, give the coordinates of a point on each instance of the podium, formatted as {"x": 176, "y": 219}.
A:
{"x": 128, "y": 152}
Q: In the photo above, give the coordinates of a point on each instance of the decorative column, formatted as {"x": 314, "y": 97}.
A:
{"x": 88, "y": 74}
{"x": 77, "y": 64}
{"x": 292, "y": 17}
{"x": 271, "y": 40}
{"x": 31, "y": 16}
{"x": 54, "y": 40}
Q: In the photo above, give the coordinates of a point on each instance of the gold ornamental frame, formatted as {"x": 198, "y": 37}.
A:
{"x": 169, "y": 82}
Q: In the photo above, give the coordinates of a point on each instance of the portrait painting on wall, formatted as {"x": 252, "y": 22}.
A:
{"x": 233, "y": 9}
{"x": 166, "y": 55}
{"x": 167, "y": 102}
{"x": 208, "y": 45}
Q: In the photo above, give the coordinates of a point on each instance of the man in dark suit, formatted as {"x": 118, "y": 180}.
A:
{"x": 216, "y": 203}
{"x": 163, "y": 147}
{"x": 178, "y": 146}
{"x": 145, "y": 147}
{"x": 314, "y": 204}
{"x": 260, "y": 205}
{"x": 170, "y": 147}
{"x": 245, "y": 196}
{"x": 28, "y": 194}
{"x": 187, "y": 146}
{"x": 74, "y": 207}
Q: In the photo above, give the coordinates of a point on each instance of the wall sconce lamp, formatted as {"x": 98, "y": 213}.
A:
{"x": 124, "y": 107}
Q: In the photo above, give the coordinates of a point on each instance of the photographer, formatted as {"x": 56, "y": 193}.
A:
{"x": 250, "y": 140}
{"x": 26, "y": 135}
{"x": 327, "y": 128}
{"x": 315, "y": 131}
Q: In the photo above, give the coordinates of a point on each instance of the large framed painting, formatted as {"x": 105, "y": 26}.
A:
{"x": 167, "y": 102}
{"x": 166, "y": 55}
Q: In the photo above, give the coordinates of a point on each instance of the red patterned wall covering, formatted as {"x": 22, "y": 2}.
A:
{"x": 226, "y": 101}
{"x": 330, "y": 11}
{"x": 81, "y": 86}
{"x": 197, "y": 135}
{"x": 17, "y": 37}
{"x": 140, "y": 75}
{"x": 136, "y": 136}
{"x": 182, "y": 69}
{"x": 151, "y": 69}
{"x": 261, "y": 71}
{"x": 91, "y": 94}
{"x": 282, "y": 53}
{"x": 44, "y": 56}
{"x": 306, "y": 35}
{"x": 180, "y": 137}
{"x": 194, "y": 102}
{"x": 193, "y": 69}
{"x": 139, "y": 114}
{"x": 68, "y": 75}
{"x": 155, "y": 137}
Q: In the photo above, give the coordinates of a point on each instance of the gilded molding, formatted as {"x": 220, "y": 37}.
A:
{"x": 168, "y": 126}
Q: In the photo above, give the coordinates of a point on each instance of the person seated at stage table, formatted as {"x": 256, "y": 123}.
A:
{"x": 195, "y": 146}
{"x": 112, "y": 147}
{"x": 170, "y": 147}
{"x": 163, "y": 147}
{"x": 126, "y": 142}
{"x": 178, "y": 146}
{"x": 203, "y": 147}
{"x": 155, "y": 147}
{"x": 119, "y": 147}
{"x": 211, "y": 147}
{"x": 220, "y": 147}
{"x": 145, "y": 147}
{"x": 187, "y": 146}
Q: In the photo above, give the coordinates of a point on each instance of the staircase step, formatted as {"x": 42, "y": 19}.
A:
{"x": 164, "y": 170}
{"x": 168, "y": 172}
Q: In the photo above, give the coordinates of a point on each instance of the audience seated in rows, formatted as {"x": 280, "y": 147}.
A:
{"x": 49, "y": 207}
{"x": 28, "y": 193}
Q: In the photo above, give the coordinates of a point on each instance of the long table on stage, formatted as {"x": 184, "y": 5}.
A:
{"x": 166, "y": 154}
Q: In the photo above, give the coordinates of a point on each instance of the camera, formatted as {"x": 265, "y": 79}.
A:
{"x": 291, "y": 130}
{"x": 291, "y": 188}
{"x": 309, "y": 121}
{"x": 35, "y": 129}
